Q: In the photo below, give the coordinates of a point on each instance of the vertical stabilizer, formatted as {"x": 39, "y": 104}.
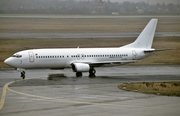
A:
{"x": 146, "y": 37}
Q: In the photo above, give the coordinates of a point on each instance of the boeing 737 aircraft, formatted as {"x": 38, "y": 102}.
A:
{"x": 85, "y": 59}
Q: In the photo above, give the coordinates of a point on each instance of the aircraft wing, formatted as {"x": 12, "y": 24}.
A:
{"x": 98, "y": 64}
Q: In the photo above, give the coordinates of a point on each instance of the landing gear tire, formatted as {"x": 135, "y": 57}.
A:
{"x": 23, "y": 74}
{"x": 92, "y": 72}
{"x": 79, "y": 74}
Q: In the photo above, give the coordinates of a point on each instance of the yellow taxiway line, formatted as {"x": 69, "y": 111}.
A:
{"x": 3, "y": 97}
{"x": 69, "y": 101}
{"x": 54, "y": 99}
{"x": 6, "y": 86}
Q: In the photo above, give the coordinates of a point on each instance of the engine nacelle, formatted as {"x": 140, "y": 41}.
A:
{"x": 80, "y": 67}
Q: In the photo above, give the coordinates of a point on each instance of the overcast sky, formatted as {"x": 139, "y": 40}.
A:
{"x": 151, "y": 1}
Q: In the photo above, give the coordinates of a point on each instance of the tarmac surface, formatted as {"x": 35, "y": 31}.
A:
{"x": 58, "y": 92}
{"x": 79, "y": 16}
{"x": 82, "y": 35}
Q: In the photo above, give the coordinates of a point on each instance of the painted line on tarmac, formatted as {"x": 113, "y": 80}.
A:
{"x": 6, "y": 87}
{"x": 3, "y": 97}
{"x": 69, "y": 101}
{"x": 66, "y": 100}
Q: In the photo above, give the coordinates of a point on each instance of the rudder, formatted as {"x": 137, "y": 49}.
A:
{"x": 146, "y": 37}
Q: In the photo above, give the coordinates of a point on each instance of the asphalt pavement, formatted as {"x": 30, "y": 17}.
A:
{"x": 80, "y": 16}
{"x": 82, "y": 35}
{"x": 59, "y": 92}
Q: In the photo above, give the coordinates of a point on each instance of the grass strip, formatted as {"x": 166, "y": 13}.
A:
{"x": 158, "y": 88}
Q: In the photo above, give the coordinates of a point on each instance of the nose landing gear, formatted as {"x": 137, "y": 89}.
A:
{"x": 23, "y": 74}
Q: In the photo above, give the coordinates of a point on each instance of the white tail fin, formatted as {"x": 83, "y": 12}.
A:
{"x": 146, "y": 37}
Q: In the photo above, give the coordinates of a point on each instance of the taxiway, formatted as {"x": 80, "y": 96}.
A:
{"x": 66, "y": 95}
{"x": 82, "y": 35}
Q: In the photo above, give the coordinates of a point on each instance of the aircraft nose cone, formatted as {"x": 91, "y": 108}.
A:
{"x": 7, "y": 61}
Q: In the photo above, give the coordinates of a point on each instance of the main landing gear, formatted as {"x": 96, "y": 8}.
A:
{"x": 92, "y": 73}
{"x": 23, "y": 74}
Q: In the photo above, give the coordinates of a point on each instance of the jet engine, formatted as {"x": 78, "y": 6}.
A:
{"x": 80, "y": 67}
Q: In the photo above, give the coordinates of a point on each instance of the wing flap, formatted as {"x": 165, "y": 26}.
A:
{"x": 98, "y": 64}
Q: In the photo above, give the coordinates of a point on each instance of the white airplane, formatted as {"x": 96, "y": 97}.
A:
{"x": 85, "y": 59}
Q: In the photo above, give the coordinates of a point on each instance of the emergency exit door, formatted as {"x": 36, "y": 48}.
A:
{"x": 134, "y": 55}
{"x": 31, "y": 57}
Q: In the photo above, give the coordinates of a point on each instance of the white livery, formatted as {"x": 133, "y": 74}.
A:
{"x": 85, "y": 59}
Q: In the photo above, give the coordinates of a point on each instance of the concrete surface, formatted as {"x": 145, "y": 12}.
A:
{"x": 68, "y": 95}
{"x": 80, "y": 16}
{"x": 82, "y": 35}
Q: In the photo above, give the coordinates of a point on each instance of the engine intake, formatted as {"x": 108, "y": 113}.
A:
{"x": 80, "y": 67}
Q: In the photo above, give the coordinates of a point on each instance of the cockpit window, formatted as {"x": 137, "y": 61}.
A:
{"x": 17, "y": 55}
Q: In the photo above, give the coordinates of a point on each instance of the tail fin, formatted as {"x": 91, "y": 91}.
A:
{"x": 146, "y": 37}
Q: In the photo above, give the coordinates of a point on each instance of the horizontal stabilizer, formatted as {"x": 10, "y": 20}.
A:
{"x": 157, "y": 50}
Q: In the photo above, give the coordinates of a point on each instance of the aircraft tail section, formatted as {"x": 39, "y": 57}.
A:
{"x": 146, "y": 37}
